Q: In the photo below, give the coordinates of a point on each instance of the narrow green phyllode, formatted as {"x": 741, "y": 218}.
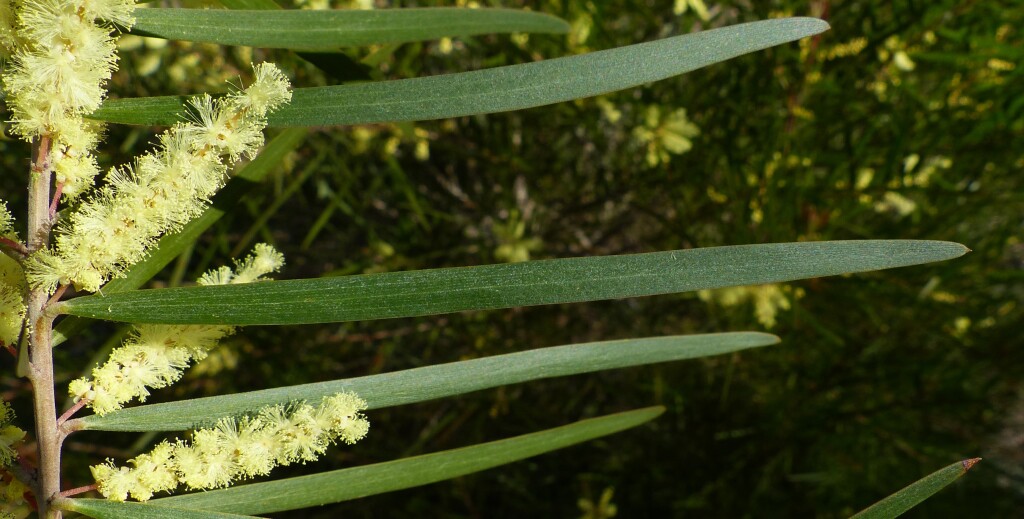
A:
{"x": 368, "y": 480}
{"x": 499, "y": 89}
{"x": 572, "y": 280}
{"x": 328, "y": 29}
{"x": 436, "y": 381}
{"x": 915, "y": 493}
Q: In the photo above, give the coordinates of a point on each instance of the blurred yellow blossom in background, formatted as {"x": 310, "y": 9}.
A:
{"x": 697, "y": 6}
{"x": 665, "y": 134}
{"x": 768, "y": 300}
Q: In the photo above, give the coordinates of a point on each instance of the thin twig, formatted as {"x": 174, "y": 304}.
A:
{"x": 79, "y": 490}
{"x": 71, "y": 411}
{"x": 69, "y": 426}
{"x": 56, "y": 200}
{"x": 57, "y": 295}
{"x": 13, "y": 245}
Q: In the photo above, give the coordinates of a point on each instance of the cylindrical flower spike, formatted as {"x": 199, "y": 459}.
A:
{"x": 155, "y": 355}
{"x": 61, "y": 54}
{"x": 162, "y": 191}
{"x": 237, "y": 449}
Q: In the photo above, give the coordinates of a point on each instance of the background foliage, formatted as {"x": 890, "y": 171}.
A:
{"x": 904, "y": 121}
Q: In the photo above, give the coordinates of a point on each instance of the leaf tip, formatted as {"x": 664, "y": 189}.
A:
{"x": 659, "y": 410}
{"x": 813, "y": 25}
{"x": 967, "y": 464}
{"x": 560, "y": 26}
{"x": 958, "y": 248}
{"x": 942, "y": 250}
{"x": 763, "y": 338}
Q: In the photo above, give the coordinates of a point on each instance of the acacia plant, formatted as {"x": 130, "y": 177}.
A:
{"x": 91, "y": 240}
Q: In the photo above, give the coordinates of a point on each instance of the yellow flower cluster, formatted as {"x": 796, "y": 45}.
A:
{"x": 154, "y": 356}
{"x": 238, "y": 449}
{"x": 12, "y": 499}
{"x": 328, "y": 4}
{"x": 843, "y": 50}
{"x": 768, "y": 300}
{"x": 10, "y": 435}
{"x": 12, "y": 285}
{"x": 895, "y": 203}
{"x": 12, "y": 305}
{"x": 61, "y": 56}
{"x": 697, "y": 6}
{"x": 664, "y": 134}
{"x": 263, "y": 260}
{"x": 163, "y": 190}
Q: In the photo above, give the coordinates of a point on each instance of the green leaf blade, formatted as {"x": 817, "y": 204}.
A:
{"x": 343, "y": 485}
{"x": 915, "y": 493}
{"x": 328, "y": 29}
{"x": 104, "y": 509}
{"x": 437, "y": 381}
{"x": 250, "y": 4}
{"x": 500, "y": 89}
{"x": 572, "y": 280}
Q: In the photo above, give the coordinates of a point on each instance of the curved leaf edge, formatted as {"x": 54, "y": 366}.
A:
{"x": 287, "y": 28}
{"x": 489, "y": 287}
{"x": 917, "y": 492}
{"x": 533, "y": 84}
{"x": 353, "y": 483}
{"x": 433, "y": 382}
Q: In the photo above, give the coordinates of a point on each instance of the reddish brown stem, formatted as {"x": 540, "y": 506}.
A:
{"x": 13, "y": 245}
{"x": 41, "y": 161}
{"x": 57, "y": 295}
{"x": 71, "y": 411}
{"x": 56, "y": 199}
{"x": 75, "y": 491}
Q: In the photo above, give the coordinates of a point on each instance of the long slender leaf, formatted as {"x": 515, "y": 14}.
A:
{"x": 427, "y": 292}
{"x": 250, "y": 4}
{"x": 104, "y": 509}
{"x": 324, "y": 29}
{"x": 171, "y": 245}
{"x": 332, "y": 62}
{"x": 913, "y": 494}
{"x": 438, "y": 381}
{"x": 343, "y": 485}
{"x": 500, "y": 89}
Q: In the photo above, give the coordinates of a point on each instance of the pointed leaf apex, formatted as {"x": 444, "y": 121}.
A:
{"x": 816, "y": 25}
{"x": 964, "y": 250}
{"x": 969, "y": 463}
